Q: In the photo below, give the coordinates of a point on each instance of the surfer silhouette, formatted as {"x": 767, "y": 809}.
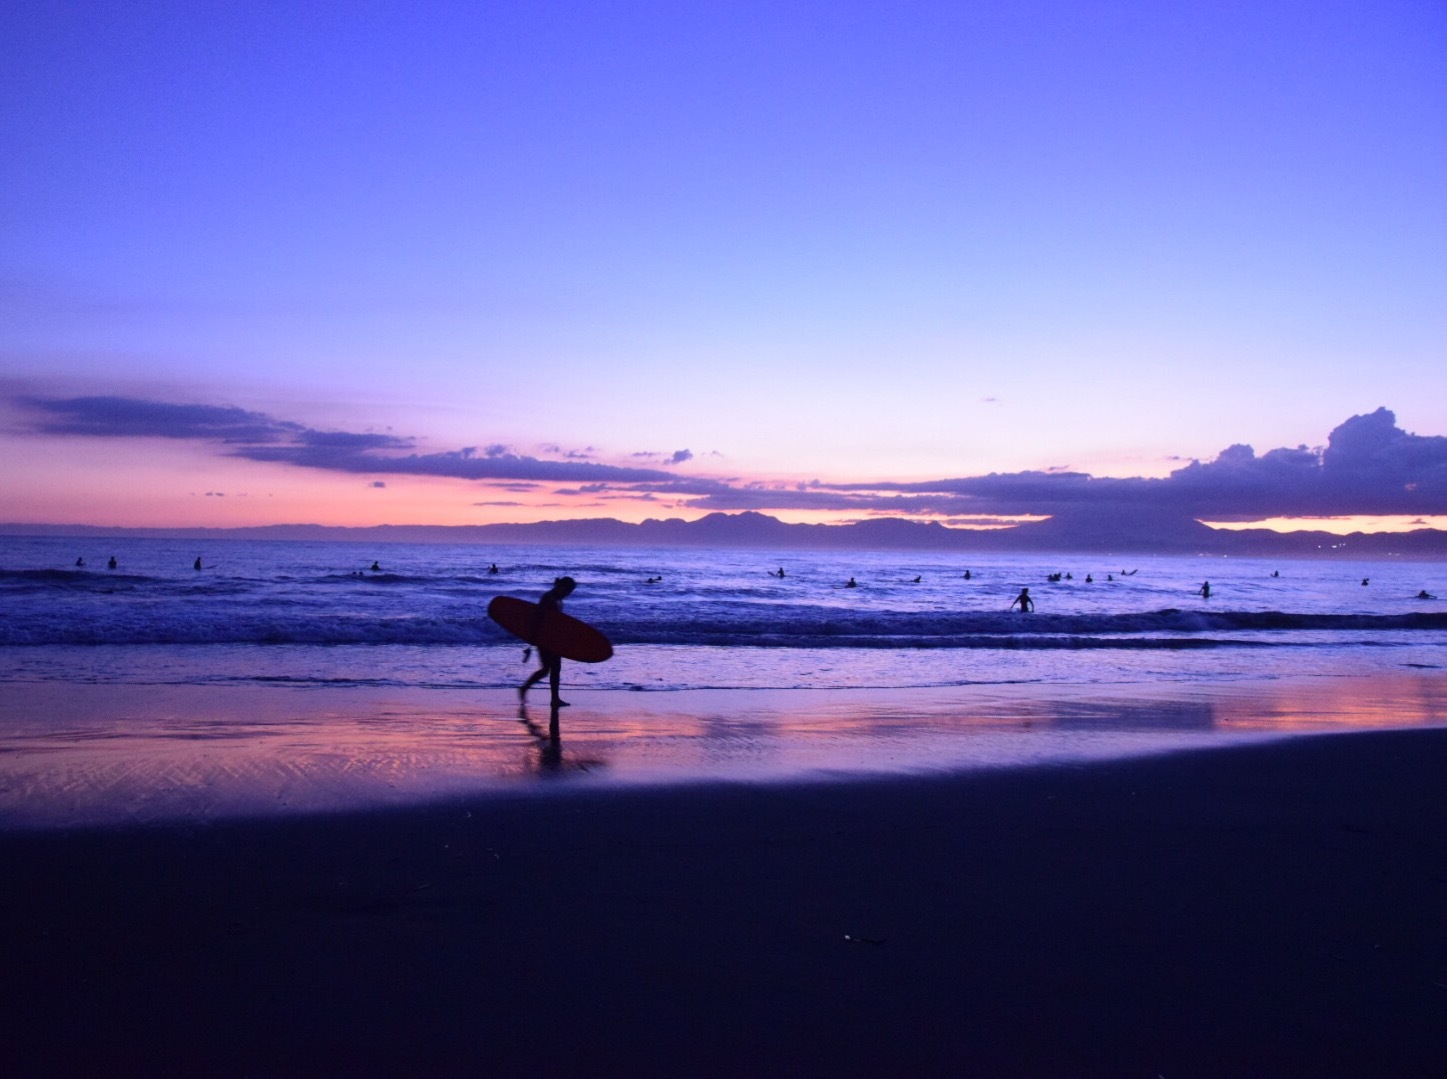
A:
{"x": 1205, "y": 589}
{"x": 112, "y": 563}
{"x": 1023, "y": 599}
{"x": 197, "y": 564}
{"x": 550, "y": 664}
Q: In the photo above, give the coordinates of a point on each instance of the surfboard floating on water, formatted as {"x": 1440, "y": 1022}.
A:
{"x": 555, "y": 631}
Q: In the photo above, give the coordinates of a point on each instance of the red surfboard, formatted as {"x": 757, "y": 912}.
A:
{"x": 569, "y": 637}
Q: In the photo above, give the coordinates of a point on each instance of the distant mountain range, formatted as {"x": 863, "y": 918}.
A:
{"x": 1121, "y": 529}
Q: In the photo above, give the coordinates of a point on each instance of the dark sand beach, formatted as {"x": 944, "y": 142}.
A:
{"x": 1276, "y": 909}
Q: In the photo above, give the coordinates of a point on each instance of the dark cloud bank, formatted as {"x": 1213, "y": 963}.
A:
{"x": 1368, "y": 466}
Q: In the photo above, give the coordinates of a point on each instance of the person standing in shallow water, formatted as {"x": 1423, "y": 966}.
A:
{"x": 1023, "y": 599}
{"x": 550, "y": 664}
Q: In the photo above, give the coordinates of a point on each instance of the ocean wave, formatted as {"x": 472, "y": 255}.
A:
{"x": 288, "y": 622}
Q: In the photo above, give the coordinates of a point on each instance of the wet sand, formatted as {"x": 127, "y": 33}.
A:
{"x": 1273, "y": 909}
{"x": 105, "y": 754}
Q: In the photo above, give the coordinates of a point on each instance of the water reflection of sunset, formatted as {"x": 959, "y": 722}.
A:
{"x": 92, "y": 753}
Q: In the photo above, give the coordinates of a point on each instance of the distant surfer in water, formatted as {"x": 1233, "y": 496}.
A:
{"x": 1023, "y": 599}
{"x": 1205, "y": 589}
{"x": 550, "y": 663}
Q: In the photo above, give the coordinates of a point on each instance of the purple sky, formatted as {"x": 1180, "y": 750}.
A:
{"x": 457, "y": 263}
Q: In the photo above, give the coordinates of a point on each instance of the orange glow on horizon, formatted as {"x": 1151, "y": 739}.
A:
{"x": 1340, "y": 526}
{"x": 168, "y": 483}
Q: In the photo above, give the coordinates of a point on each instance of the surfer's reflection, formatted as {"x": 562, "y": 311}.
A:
{"x": 549, "y": 742}
{"x": 550, "y": 664}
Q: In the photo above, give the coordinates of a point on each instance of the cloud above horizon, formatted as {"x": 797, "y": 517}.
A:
{"x": 1369, "y": 466}
{"x": 254, "y": 436}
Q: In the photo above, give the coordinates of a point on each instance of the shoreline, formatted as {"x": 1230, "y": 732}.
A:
{"x": 1272, "y": 908}
{"x": 90, "y": 754}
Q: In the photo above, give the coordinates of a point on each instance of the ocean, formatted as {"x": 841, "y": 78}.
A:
{"x": 305, "y": 613}
{"x": 293, "y": 676}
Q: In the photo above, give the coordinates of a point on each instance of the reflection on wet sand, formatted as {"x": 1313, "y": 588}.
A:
{"x": 75, "y": 754}
{"x": 549, "y": 744}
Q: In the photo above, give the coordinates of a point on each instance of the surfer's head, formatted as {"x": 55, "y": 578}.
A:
{"x": 563, "y": 585}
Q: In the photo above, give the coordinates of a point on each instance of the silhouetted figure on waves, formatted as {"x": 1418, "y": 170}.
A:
{"x": 1023, "y": 600}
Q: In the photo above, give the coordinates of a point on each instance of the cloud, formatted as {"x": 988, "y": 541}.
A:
{"x": 255, "y": 436}
{"x": 677, "y": 457}
{"x": 552, "y": 449}
{"x": 1369, "y": 466}
{"x": 125, "y": 417}
{"x": 504, "y": 466}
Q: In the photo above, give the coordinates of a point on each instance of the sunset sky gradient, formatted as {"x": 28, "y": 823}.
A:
{"x": 453, "y": 263}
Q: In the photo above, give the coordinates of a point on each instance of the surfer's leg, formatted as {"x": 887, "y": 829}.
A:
{"x": 555, "y": 674}
{"x": 533, "y": 680}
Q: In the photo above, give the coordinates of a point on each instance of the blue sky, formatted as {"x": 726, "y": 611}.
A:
{"x": 865, "y": 244}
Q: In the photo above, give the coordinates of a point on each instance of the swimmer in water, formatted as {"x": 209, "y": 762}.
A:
{"x": 1025, "y": 602}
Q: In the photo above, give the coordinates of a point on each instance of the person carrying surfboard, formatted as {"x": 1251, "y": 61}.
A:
{"x": 550, "y": 663}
